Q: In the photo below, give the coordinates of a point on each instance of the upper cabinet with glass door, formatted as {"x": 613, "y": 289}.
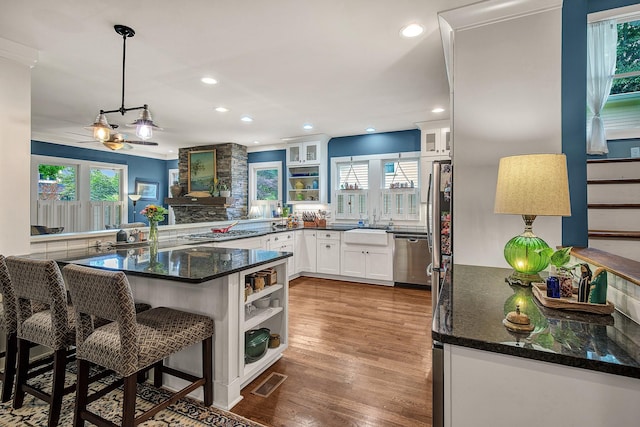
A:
{"x": 304, "y": 153}
{"x": 436, "y": 138}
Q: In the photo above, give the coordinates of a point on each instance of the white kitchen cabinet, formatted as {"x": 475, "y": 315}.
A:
{"x": 305, "y": 244}
{"x": 367, "y": 261}
{"x": 283, "y": 242}
{"x": 435, "y": 138}
{"x": 306, "y": 175}
{"x": 328, "y": 252}
{"x": 304, "y": 153}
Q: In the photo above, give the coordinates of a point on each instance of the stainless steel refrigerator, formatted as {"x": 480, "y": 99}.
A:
{"x": 440, "y": 231}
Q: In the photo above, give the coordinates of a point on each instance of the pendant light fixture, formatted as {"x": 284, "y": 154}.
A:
{"x": 144, "y": 124}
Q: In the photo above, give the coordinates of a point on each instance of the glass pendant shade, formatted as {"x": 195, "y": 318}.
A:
{"x": 144, "y": 125}
{"x": 101, "y": 128}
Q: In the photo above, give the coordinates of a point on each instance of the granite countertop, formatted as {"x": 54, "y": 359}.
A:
{"x": 472, "y": 305}
{"x": 192, "y": 263}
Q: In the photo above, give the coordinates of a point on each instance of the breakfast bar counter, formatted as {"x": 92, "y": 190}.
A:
{"x": 210, "y": 281}
{"x": 573, "y": 368}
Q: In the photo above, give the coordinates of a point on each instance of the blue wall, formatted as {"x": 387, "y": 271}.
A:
{"x": 139, "y": 167}
{"x": 618, "y": 148}
{"x": 574, "y": 101}
{"x": 272, "y": 156}
{"x": 369, "y": 144}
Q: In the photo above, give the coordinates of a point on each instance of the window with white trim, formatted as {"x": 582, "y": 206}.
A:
{"x": 622, "y": 109}
{"x": 265, "y": 181}
{"x": 77, "y": 195}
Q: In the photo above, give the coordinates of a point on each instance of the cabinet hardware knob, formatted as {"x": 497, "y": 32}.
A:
{"x": 328, "y": 246}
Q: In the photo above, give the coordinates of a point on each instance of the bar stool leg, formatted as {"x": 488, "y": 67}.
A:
{"x": 82, "y": 392}
{"x": 129, "y": 401}
{"x": 57, "y": 389}
{"x": 22, "y": 373}
{"x": 157, "y": 374}
{"x": 9, "y": 366}
{"x": 207, "y": 370}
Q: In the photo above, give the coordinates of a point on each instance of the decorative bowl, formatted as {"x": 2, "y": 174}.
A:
{"x": 256, "y": 342}
{"x": 263, "y": 302}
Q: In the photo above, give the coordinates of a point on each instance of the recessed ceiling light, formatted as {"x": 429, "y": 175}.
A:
{"x": 256, "y": 142}
{"x": 437, "y": 110}
{"x": 307, "y": 126}
{"x": 208, "y": 80}
{"x": 370, "y": 129}
{"x": 246, "y": 119}
{"x": 412, "y": 30}
{"x": 222, "y": 109}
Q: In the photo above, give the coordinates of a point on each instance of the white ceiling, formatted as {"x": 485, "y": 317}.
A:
{"x": 340, "y": 65}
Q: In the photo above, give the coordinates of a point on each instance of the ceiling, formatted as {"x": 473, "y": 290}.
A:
{"x": 339, "y": 65}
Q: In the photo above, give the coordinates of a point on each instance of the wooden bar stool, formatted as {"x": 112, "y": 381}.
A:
{"x": 130, "y": 345}
{"x": 42, "y": 318}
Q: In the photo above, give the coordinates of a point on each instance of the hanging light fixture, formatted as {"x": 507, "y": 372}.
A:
{"x": 144, "y": 124}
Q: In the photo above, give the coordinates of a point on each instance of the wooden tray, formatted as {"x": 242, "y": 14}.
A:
{"x": 540, "y": 292}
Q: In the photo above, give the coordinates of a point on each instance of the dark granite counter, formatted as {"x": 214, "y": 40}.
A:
{"x": 192, "y": 264}
{"x": 471, "y": 308}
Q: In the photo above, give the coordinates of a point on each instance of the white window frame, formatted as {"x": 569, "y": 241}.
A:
{"x": 83, "y": 170}
{"x": 618, "y": 126}
{"x": 376, "y": 181}
{"x": 266, "y": 207}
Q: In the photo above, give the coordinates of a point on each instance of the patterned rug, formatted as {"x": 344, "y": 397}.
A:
{"x": 184, "y": 413}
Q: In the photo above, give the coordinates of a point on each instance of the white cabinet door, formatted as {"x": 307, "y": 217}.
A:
{"x": 284, "y": 242}
{"x": 328, "y": 256}
{"x": 305, "y": 251}
{"x": 379, "y": 264}
{"x": 304, "y": 153}
{"x": 353, "y": 261}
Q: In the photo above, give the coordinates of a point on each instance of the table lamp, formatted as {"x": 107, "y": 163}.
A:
{"x": 134, "y": 198}
{"x": 531, "y": 185}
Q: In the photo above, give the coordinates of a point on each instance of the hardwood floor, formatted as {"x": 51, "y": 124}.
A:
{"x": 359, "y": 355}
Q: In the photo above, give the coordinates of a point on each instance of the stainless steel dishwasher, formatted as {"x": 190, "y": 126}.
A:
{"x": 411, "y": 257}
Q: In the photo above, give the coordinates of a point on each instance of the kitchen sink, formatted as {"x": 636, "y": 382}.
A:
{"x": 366, "y": 236}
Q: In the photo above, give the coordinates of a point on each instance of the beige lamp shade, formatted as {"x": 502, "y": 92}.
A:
{"x": 533, "y": 184}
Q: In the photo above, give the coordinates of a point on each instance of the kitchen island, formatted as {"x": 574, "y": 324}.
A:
{"x": 572, "y": 369}
{"x": 210, "y": 281}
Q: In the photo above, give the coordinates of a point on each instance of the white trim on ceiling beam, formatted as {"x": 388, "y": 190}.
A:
{"x": 492, "y": 11}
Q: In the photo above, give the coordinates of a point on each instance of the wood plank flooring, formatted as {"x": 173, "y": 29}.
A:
{"x": 359, "y": 355}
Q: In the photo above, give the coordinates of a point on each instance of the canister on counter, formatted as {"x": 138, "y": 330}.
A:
{"x": 553, "y": 287}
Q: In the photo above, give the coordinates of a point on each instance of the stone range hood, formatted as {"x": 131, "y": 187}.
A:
{"x": 231, "y": 168}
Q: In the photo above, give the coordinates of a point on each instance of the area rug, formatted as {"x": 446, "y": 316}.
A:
{"x": 184, "y": 413}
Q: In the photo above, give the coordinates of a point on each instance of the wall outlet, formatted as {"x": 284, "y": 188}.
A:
{"x": 635, "y": 151}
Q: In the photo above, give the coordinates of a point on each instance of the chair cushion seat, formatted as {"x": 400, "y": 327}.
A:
{"x": 160, "y": 332}
{"x": 38, "y": 328}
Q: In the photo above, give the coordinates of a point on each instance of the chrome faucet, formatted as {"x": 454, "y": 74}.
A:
{"x": 375, "y": 218}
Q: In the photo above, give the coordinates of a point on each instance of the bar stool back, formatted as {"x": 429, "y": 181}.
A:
{"x": 39, "y": 283}
{"x": 130, "y": 345}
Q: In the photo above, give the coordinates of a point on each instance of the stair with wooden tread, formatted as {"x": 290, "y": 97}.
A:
{"x": 613, "y": 195}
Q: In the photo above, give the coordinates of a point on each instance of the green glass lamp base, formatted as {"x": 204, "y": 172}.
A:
{"x": 522, "y": 279}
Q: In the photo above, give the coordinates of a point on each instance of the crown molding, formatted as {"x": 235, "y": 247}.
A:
{"x": 492, "y": 11}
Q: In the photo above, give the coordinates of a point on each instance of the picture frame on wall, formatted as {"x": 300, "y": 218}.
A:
{"x": 201, "y": 170}
{"x": 148, "y": 190}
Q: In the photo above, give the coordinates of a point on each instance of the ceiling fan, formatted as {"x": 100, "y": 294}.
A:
{"x": 119, "y": 141}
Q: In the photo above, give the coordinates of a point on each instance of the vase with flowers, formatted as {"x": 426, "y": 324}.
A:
{"x": 215, "y": 188}
{"x": 154, "y": 214}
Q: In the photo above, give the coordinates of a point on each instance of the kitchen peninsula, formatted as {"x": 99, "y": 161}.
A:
{"x": 572, "y": 369}
{"x": 210, "y": 281}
